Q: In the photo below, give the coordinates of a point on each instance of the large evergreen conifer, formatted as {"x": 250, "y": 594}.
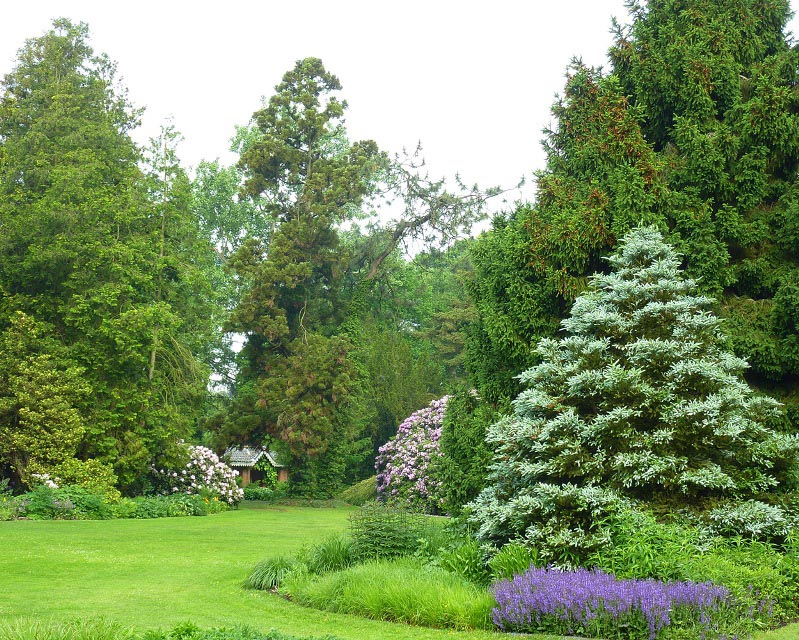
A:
{"x": 640, "y": 400}
{"x": 694, "y": 128}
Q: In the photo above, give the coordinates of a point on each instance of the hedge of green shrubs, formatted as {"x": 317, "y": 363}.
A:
{"x": 79, "y": 503}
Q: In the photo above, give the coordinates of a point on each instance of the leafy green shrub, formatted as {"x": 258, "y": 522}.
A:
{"x": 270, "y": 573}
{"x": 759, "y": 577}
{"x": 67, "y": 502}
{"x": 467, "y": 560}
{"x": 79, "y": 629}
{"x": 400, "y": 590}
{"x": 91, "y": 475}
{"x": 44, "y": 503}
{"x": 256, "y": 492}
{"x": 175, "y": 505}
{"x": 436, "y": 535}
{"x": 513, "y": 559}
{"x": 333, "y": 554}
{"x": 125, "y": 508}
{"x": 752, "y": 519}
{"x": 360, "y": 493}
{"x": 385, "y": 531}
{"x": 642, "y": 547}
{"x": 89, "y": 504}
{"x": 9, "y": 508}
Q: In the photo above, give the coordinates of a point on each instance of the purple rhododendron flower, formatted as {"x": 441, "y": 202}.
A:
{"x": 404, "y": 462}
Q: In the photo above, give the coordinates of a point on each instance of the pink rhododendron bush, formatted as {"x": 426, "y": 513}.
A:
{"x": 405, "y": 464}
{"x": 204, "y": 473}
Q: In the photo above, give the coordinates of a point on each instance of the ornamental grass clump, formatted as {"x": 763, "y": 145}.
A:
{"x": 404, "y": 463}
{"x": 592, "y": 602}
{"x": 204, "y": 473}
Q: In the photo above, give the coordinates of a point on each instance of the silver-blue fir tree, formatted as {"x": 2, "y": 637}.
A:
{"x": 640, "y": 402}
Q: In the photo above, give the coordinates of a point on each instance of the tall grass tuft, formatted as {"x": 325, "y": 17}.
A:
{"x": 270, "y": 573}
{"x": 399, "y": 590}
{"x": 333, "y": 554}
{"x": 78, "y": 629}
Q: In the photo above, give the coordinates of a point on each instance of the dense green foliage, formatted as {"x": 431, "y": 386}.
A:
{"x": 693, "y": 128}
{"x": 640, "y": 400}
{"x": 73, "y": 502}
{"x": 465, "y": 455}
{"x": 360, "y": 493}
{"x": 94, "y": 258}
{"x": 386, "y": 531}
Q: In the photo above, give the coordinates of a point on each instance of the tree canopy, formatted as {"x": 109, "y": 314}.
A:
{"x": 694, "y": 129}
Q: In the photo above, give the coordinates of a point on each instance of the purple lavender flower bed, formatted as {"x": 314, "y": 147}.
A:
{"x": 592, "y": 600}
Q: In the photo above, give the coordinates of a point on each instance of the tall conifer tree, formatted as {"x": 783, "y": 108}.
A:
{"x": 91, "y": 249}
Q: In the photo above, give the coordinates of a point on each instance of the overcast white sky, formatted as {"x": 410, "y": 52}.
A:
{"x": 473, "y": 81}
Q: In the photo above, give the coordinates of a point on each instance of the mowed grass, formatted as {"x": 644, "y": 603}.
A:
{"x": 152, "y": 574}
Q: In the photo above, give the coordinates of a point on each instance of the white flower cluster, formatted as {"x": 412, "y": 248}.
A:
{"x": 204, "y": 471}
{"x": 45, "y": 479}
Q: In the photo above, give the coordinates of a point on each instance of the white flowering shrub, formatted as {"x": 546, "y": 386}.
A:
{"x": 405, "y": 463}
{"x": 204, "y": 473}
{"x": 641, "y": 400}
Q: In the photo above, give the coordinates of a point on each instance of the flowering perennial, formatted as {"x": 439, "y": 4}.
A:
{"x": 588, "y": 598}
{"x": 203, "y": 472}
{"x": 404, "y": 463}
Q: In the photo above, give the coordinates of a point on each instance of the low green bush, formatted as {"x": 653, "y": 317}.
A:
{"x": 400, "y": 590}
{"x": 360, "y": 493}
{"x": 175, "y": 505}
{"x": 255, "y": 492}
{"x": 191, "y": 632}
{"x": 270, "y": 573}
{"x": 45, "y": 503}
{"x": 78, "y": 629}
{"x": 761, "y": 578}
{"x": 80, "y": 503}
{"x": 513, "y": 559}
{"x": 91, "y": 475}
{"x": 386, "y": 531}
{"x": 642, "y": 547}
{"x": 467, "y": 559}
{"x": 88, "y": 504}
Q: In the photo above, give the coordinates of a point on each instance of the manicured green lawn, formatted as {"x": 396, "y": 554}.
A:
{"x": 158, "y": 573}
